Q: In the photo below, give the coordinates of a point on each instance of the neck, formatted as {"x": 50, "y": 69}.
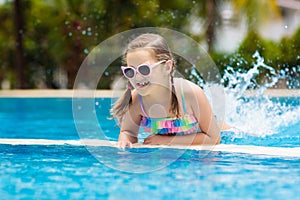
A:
{"x": 161, "y": 95}
{"x": 157, "y": 104}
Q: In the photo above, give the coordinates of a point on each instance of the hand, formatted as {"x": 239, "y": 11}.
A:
{"x": 124, "y": 143}
{"x": 158, "y": 140}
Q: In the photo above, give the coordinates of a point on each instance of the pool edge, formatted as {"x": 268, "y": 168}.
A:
{"x": 230, "y": 148}
{"x": 65, "y": 93}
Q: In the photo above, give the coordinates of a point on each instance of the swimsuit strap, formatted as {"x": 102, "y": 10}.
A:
{"x": 182, "y": 98}
{"x": 141, "y": 104}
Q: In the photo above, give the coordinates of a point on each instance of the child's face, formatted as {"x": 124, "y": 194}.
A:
{"x": 145, "y": 84}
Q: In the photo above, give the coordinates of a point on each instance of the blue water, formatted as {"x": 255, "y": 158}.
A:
{"x": 72, "y": 172}
{"x": 52, "y": 118}
{"x": 57, "y": 172}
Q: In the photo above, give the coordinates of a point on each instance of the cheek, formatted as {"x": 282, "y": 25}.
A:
{"x": 132, "y": 82}
{"x": 159, "y": 77}
{"x": 157, "y": 71}
{"x": 160, "y": 74}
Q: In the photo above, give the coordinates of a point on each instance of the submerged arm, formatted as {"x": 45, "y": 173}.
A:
{"x": 191, "y": 139}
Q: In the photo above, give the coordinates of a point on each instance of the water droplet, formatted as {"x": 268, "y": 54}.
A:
{"x": 70, "y": 34}
{"x": 86, "y": 51}
{"x": 286, "y": 26}
{"x": 83, "y": 32}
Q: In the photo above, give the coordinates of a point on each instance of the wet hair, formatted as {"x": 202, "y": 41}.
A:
{"x": 161, "y": 51}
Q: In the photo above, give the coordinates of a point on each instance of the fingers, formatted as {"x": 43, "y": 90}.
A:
{"x": 130, "y": 144}
{"x": 158, "y": 140}
{"x": 152, "y": 139}
{"x": 148, "y": 140}
{"x": 124, "y": 144}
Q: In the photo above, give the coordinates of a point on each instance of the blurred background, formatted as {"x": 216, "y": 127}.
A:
{"x": 43, "y": 43}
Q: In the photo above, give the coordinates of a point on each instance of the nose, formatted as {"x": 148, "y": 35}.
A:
{"x": 138, "y": 76}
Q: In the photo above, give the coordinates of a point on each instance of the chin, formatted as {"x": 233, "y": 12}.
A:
{"x": 145, "y": 91}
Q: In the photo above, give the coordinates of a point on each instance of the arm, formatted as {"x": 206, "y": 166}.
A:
{"x": 202, "y": 110}
{"x": 192, "y": 139}
{"x": 126, "y": 139}
{"x": 200, "y": 107}
{"x": 129, "y": 126}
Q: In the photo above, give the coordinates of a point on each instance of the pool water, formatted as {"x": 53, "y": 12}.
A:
{"x": 56, "y": 172}
{"x": 69, "y": 171}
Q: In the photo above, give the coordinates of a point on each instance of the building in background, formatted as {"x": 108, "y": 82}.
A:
{"x": 232, "y": 30}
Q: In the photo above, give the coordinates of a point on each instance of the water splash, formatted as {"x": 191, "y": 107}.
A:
{"x": 256, "y": 113}
{"x": 239, "y": 81}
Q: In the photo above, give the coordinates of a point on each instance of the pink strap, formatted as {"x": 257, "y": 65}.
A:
{"x": 129, "y": 87}
{"x": 141, "y": 104}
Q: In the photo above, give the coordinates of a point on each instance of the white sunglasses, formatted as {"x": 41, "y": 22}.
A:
{"x": 143, "y": 69}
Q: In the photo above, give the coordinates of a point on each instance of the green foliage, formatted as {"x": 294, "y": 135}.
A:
{"x": 6, "y": 41}
{"x": 257, "y": 11}
{"x": 283, "y": 56}
{"x": 59, "y": 34}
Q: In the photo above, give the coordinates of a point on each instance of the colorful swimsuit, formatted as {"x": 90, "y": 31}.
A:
{"x": 187, "y": 124}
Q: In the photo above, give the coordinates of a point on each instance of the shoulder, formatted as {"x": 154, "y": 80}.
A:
{"x": 135, "y": 104}
{"x": 189, "y": 89}
{"x": 135, "y": 98}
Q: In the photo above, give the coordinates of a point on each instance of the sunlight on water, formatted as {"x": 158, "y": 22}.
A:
{"x": 257, "y": 115}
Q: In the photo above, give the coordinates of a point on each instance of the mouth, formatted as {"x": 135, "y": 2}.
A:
{"x": 142, "y": 84}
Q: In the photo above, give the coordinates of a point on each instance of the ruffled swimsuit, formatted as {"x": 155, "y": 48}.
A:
{"x": 187, "y": 124}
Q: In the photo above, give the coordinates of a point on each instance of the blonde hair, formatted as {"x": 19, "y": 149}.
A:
{"x": 161, "y": 51}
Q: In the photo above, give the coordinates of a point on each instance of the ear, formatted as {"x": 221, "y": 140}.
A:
{"x": 169, "y": 66}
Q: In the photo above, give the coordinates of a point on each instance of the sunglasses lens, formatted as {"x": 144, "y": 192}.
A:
{"x": 144, "y": 70}
{"x": 129, "y": 73}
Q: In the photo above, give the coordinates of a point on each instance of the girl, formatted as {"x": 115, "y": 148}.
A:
{"x": 174, "y": 110}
